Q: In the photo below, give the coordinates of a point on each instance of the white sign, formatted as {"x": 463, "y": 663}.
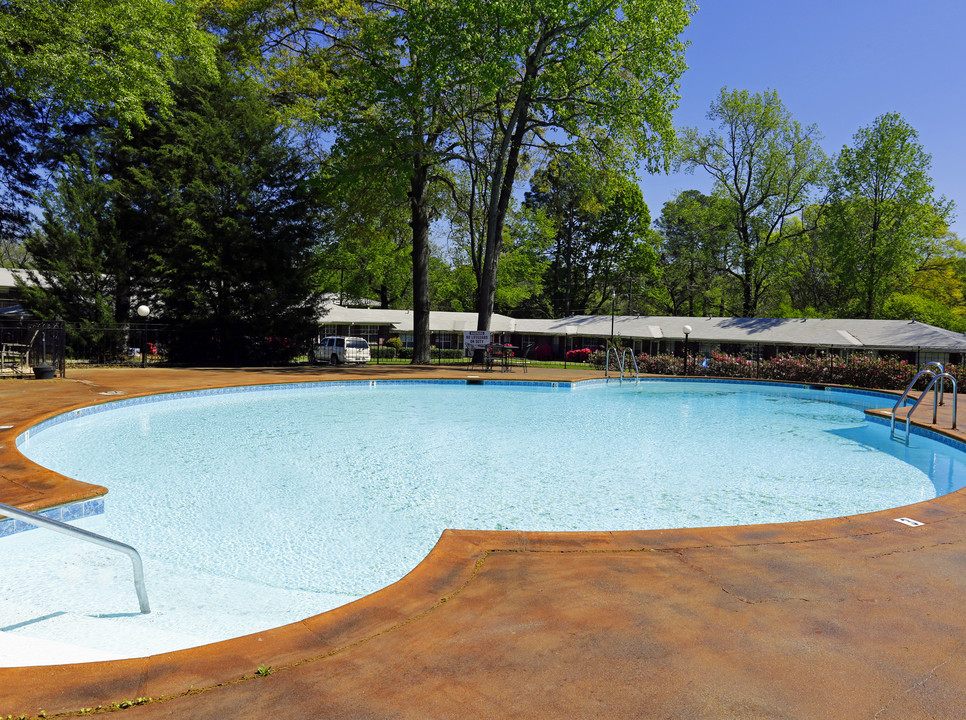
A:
{"x": 475, "y": 340}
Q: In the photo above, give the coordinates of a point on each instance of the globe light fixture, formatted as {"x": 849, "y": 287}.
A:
{"x": 687, "y": 331}
{"x": 143, "y": 312}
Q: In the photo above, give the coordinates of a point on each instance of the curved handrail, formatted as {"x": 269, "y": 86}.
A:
{"x": 905, "y": 393}
{"x": 616, "y": 360}
{"x": 637, "y": 372}
{"x": 942, "y": 369}
{"x": 87, "y": 535}
{"x": 621, "y": 362}
{"x": 936, "y": 378}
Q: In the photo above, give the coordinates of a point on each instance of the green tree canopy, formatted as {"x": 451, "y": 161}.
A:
{"x": 765, "y": 165}
{"x": 107, "y": 56}
{"x": 882, "y": 212}
{"x": 696, "y": 233}
{"x": 600, "y": 240}
{"x": 206, "y": 215}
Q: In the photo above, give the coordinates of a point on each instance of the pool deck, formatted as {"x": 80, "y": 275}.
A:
{"x": 856, "y": 617}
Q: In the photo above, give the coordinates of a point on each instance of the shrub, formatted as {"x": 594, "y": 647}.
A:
{"x": 579, "y": 356}
{"x": 860, "y": 370}
{"x": 382, "y": 352}
{"x": 660, "y": 364}
{"x": 724, "y": 365}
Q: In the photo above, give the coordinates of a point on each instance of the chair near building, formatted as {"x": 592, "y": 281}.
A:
{"x": 15, "y": 357}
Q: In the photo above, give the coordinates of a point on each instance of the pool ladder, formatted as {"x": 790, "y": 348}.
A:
{"x": 88, "y": 536}
{"x": 621, "y": 361}
{"x": 937, "y": 397}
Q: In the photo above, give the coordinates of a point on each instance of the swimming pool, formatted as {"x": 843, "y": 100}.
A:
{"x": 292, "y": 500}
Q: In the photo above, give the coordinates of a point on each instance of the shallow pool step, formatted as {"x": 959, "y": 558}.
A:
{"x": 72, "y": 638}
{"x": 17, "y": 650}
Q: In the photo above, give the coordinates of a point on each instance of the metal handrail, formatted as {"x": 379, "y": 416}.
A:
{"x": 942, "y": 369}
{"x": 637, "y": 372}
{"x": 87, "y": 535}
{"x": 621, "y": 362}
{"x": 935, "y": 378}
{"x": 905, "y": 394}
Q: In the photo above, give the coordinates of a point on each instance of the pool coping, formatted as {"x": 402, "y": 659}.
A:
{"x": 211, "y": 673}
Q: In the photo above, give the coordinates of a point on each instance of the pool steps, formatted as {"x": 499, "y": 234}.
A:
{"x": 937, "y": 397}
{"x": 91, "y": 537}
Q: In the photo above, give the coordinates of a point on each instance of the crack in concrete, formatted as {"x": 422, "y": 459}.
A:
{"x": 679, "y": 554}
{"x": 912, "y": 549}
{"x": 915, "y": 686}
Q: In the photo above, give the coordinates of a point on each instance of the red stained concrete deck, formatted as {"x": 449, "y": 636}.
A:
{"x": 858, "y": 617}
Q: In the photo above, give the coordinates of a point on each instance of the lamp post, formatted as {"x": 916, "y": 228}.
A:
{"x": 613, "y": 302}
{"x": 143, "y": 312}
{"x": 687, "y": 331}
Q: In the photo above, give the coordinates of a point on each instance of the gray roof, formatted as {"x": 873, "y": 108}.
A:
{"x": 808, "y": 332}
{"x": 813, "y": 332}
{"x": 402, "y": 320}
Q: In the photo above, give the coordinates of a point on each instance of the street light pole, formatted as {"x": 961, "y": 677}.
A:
{"x": 143, "y": 312}
{"x": 687, "y": 331}
{"x": 613, "y": 302}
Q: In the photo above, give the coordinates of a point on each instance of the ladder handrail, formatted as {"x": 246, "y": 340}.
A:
{"x": 935, "y": 378}
{"x": 637, "y": 372}
{"x": 905, "y": 393}
{"x": 942, "y": 369}
{"x": 621, "y": 362}
{"x": 91, "y": 537}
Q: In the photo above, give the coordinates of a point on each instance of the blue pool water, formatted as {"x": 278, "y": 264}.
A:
{"x": 282, "y": 503}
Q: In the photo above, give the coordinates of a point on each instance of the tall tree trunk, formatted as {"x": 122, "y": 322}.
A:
{"x": 420, "y": 225}
{"x": 747, "y": 298}
{"x": 501, "y": 188}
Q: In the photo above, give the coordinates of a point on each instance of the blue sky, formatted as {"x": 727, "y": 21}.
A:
{"x": 837, "y": 65}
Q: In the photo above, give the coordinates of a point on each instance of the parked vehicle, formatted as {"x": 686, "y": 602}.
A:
{"x": 336, "y": 350}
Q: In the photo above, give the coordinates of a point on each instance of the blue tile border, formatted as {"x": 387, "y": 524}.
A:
{"x": 64, "y": 513}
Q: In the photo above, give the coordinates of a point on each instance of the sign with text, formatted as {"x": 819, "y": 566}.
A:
{"x": 475, "y": 340}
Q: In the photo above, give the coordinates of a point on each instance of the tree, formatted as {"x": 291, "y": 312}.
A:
{"x": 695, "y": 236}
{"x": 882, "y": 213}
{"x": 600, "y": 235}
{"x": 765, "y": 164}
{"x": 75, "y": 251}
{"x": 365, "y": 245}
{"x": 206, "y": 215}
{"x": 112, "y": 58}
{"x": 388, "y": 81}
{"x": 59, "y": 60}
{"x": 599, "y": 74}
{"x": 20, "y": 130}
{"x": 418, "y": 85}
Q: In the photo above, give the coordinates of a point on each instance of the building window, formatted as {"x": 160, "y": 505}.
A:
{"x": 407, "y": 339}
{"x": 369, "y": 333}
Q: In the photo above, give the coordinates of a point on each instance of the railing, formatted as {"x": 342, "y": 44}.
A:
{"x": 937, "y": 397}
{"x": 621, "y": 362}
{"x": 81, "y": 534}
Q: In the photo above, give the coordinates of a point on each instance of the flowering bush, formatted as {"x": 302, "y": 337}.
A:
{"x": 660, "y": 364}
{"x": 723, "y": 365}
{"x": 860, "y": 370}
{"x": 579, "y": 356}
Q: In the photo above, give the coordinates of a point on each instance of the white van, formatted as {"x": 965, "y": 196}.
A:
{"x": 337, "y": 349}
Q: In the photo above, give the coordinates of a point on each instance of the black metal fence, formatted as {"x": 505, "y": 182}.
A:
{"x": 32, "y": 348}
